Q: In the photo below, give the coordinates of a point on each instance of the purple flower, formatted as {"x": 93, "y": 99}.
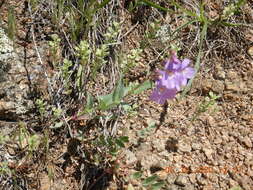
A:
{"x": 160, "y": 94}
{"x": 171, "y": 79}
{"x": 176, "y": 73}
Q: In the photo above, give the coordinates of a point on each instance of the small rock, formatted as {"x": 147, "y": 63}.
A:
{"x": 189, "y": 187}
{"x": 171, "y": 178}
{"x": 232, "y": 75}
{"x": 246, "y": 141}
{"x": 218, "y": 140}
{"x": 173, "y": 187}
{"x": 184, "y": 147}
{"x": 158, "y": 145}
{"x": 192, "y": 178}
{"x": 196, "y": 146}
{"x": 232, "y": 183}
{"x": 232, "y": 86}
{"x": 130, "y": 157}
{"x": 182, "y": 180}
{"x": 208, "y": 187}
{"x": 250, "y": 51}
{"x": 208, "y": 152}
{"x": 218, "y": 86}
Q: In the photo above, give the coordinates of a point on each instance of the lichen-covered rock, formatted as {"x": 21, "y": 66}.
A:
{"x": 13, "y": 82}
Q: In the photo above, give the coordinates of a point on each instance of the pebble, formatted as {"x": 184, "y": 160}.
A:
{"x": 231, "y": 86}
{"x": 250, "y": 51}
{"x": 196, "y": 146}
{"x": 172, "y": 187}
{"x": 184, "y": 147}
{"x": 218, "y": 86}
{"x": 130, "y": 157}
{"x": 208, "y": 152}
{"x": 192, "y": 178}
{"x": 232, "y": 183}
{"x": 246, "y": 141}
{"x": 181, "y": 180}
{"x": 189, "y": 187}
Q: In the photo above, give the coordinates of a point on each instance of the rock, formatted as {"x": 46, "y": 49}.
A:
{"x": 192, "y": 178}
{"x": 184, "y": 147}
{"x": 130, "y": 157}
{"x": 208, "y": 152}
{"x": 230, "y": 86}
{"x": 196, "y": 146}
{"x": 250, "y": 51}
{"x": 246, "y": 141}
{"x": 171, "y": 178}
{"x": 181, "y": 180}
{"x": 218, "y": 86}
{"x": 189, "y": 187}
{"x": 158, "y": 145}
{"x": 13, "y": 82}
{"x": 232, "y": 183}
{"x": 173, "y": 187}
{"x": 220, "y": 74}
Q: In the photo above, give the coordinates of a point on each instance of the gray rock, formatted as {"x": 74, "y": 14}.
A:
{"x": 246, "y": 141}
{"x": 184, "y": 147}
{"x": 13, "y": 82}
{"x": 173, "y": 187}
{"x": 130, "y": 157}
{"x": 182, "y": 180}
{"x": 189, "y": 187}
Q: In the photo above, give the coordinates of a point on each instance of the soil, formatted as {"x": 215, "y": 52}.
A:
{"x": 188, "y": 149}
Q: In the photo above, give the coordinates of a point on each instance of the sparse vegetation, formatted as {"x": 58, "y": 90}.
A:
{"x": 96, "y": 60}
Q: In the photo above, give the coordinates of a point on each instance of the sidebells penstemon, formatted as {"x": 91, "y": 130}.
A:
{"x": 171, "y": 79}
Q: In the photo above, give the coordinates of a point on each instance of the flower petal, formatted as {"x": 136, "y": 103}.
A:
{"x": 188, "y": 72}
{"x": 185, "y": 63}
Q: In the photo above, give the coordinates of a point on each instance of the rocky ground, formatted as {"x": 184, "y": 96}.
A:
{"x": 190, "y": 143}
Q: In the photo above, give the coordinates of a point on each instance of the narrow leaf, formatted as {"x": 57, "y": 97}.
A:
{"x": 141, "y": 87}
{"x": 149, "y": 180}
{"x": 157, "y": 186}
{"x": 119, "y": 143}
{"x": 136, "y": 175}
{"x": 118, "y": 93}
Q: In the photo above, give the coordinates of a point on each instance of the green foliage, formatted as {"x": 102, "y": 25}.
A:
{"x": 12, "y": 28}
{"x": 236, "y": 188}
{"x": 3, "y": 138}
{"x": 130, "y": 60}
{"x": 100, "y": 59}
{"x": 83, "y": 51}
{"x": 209, "y": 102}
{"x": 152, "y": 182}
{"x": 111, "y": 144}
{"x": 41, "y": 105}
{"x": 54, "y": 47}
{"x": 112, "y": 33}
{"x": 33, "y": 143}
{"x": 4, "y": 169}
{"x": 144, "y": 132}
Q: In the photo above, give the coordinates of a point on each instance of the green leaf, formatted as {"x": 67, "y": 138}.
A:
{"x": 157, "y": 186}
{"x": 136, "y": 175}
{"x": 149, "y": 180}
{"x": 118, "y": 93}
{"x": 236, "y": 188}
{"x": 57, "y": 125}
{"x": 124, "y": 139}
{"x": 89, "y": 103}
{"x": 119, "y": 143}
{"x": 141, "y": 87}
{"x": 105, "y": 101}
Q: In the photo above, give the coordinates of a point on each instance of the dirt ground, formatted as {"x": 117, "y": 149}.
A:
{"x": 189, "y": 148}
